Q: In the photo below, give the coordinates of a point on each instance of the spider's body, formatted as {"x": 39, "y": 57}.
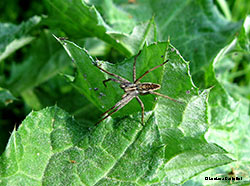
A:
{"x": 133, "y": 89}
{"x": 140, "y": 88}
{"x": 145, "y": 88}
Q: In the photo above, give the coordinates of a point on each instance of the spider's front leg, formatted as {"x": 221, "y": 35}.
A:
{"x": 110, "y": 79}
{"x": 112, "y": 74}
{"x": 134, "y": 66}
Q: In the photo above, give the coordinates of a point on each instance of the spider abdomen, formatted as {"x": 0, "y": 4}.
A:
{"x": 145, "y": 88}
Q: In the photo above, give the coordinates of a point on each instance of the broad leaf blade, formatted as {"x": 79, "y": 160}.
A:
{"x": 89, "y": 78}
{"x": 190, "y": 117}
{"x": 51, "y": 148}
{"x": 50, "y": 141}
{"x": 229, "y": 113}
{"x": 91, "y": 24}
{"x": 119, "y": 149}
{"x": 200, "y": 39}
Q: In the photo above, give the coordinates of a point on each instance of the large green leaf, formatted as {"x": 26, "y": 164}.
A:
{"x": 229, "y": 110}
{"x": 80, "y": 21}
{"x": 89, "y": 79}
{"x": 30, "y": 149}
{"x": 173, "y": 132}
{"x": 196, "y": 28}
{"x": 119, "y": 150}
{"x": 51, "y": 148}
{"x": 232, "y": 136}
{"x": 224, "y": 101}
{"x": 13, "y": 37}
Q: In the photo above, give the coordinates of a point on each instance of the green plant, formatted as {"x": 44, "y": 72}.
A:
{"x": 58, "y": 144}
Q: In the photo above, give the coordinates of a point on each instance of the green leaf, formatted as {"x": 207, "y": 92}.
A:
{"x": 60, "y": 92}
{"x": 51, "y": 137}
{"x": 225, "y": 9}
{"x": 51, "y": 148}
{"x": 142, "y": 33}
{"x": 115, "y": 16}
{"x": 229, "y": 111}
{"x": 89, "y": 78}
{"x": 6, "y": 97}
{"x": 196, "y": 28}
{"x": 184, "y": 125}
{"x": 243, "y": 42}
{"x": 91, "y": 24}
{"x": 13, "y": 37}
{"x": 221, "y": 105}
{"x": 124, "y": 151}
{"x": 202, "y": 39}
{"x": 177, "y": 141}
{"x": 45, "y": 61}
{"x": 232, "y": 137}
{"x": 223, "y": 101}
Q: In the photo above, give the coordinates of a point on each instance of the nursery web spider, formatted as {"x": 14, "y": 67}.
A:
{"x": 133, "y": 89}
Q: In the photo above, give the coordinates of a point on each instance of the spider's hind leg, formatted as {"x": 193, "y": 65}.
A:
{"x": 142, "y": 109}
{"x": 172, "y": 99}
{"x": 117, "y": 106}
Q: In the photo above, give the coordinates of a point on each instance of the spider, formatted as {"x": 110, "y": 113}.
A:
{"x": 133, "y": 89}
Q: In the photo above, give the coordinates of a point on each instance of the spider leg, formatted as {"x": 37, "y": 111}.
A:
{"x": 158, "y": 94}
{"x": 134, "y": 67}
{"x": 118, "y": 77}
{"x": 142, "y": 108}
{"x": 118, "y": 106}
{"x": 110, "y": 79}
{"x": 150, "y": 70}
{"x": 114, "y": 111}
{"x": 109, "y": 110}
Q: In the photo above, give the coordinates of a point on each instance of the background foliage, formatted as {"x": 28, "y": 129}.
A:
{"x": 178, "y": 142}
